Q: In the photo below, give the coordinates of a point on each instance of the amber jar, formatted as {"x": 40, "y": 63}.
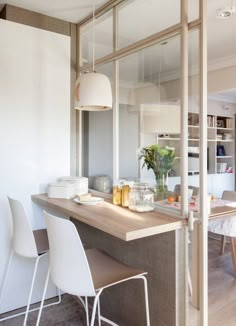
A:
{"x": 125, "y": 195}
{"x": 117, "y": 195}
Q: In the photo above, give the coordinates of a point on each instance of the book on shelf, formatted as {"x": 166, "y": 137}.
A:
{"x": 211, "y": 121}
{"x": 228, "y": 123}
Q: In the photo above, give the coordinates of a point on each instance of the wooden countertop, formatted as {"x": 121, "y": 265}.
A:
{"x": 114, "y": 220}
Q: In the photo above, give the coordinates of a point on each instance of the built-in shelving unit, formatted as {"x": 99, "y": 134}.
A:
{"x": 220, "y": 134}
{"x": 220, "y": 138}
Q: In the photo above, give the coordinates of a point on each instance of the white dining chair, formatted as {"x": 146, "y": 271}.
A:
{"x": 84, "y": 273}
{"x": 195, "y": 190}
{"x": 226, "y": 227}
{"x": 28, "y": 244}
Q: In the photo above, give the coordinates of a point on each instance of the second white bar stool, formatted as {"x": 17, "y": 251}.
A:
{"x": 84, "y": 273}
{"x": 26, "y": 243}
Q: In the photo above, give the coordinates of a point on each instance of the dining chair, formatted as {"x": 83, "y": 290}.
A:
{"x": 84, "y": 272}
{"x": 177, "y": 190}
{"x": 226, "y": 226}
{"x": 28, "y": 244}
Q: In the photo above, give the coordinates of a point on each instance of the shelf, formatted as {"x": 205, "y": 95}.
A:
{"x": 168, "y": 138}
{"x": 193, "y": 139}
{"x": 193, "y": 126}
{"x": 224, "y": 140}
{"x": 226, "y": 156}
{"x": 221, "y": 128}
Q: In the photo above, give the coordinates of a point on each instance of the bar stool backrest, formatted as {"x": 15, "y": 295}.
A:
{"x": 23, "y": 238}
{"x": 69, "y": 267}
{"x": 229, "y": 195}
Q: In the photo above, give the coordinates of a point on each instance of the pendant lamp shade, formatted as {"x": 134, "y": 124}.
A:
{"x": 93, "y": 92}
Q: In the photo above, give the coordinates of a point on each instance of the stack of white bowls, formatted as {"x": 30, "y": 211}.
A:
{"x": 80, "y": 184}
{"x": 61, "y": 190}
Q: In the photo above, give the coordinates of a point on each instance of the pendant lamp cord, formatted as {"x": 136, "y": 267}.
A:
{"x": 93, "y": 35}
{"x": 159, "y": 79}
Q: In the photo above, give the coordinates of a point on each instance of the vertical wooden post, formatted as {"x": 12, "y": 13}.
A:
{"x": 203, "y": 167}
{"x": 115, "y": 99}
{"x": 184, "y": 135}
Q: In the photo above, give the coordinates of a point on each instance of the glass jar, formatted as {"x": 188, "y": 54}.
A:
{"x": 125, "y": 195}
{"x": 117, "y": 194}
{"x": 141, "y": 198}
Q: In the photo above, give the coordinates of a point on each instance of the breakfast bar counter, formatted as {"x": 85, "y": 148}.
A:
{"x": 151, "y": 241}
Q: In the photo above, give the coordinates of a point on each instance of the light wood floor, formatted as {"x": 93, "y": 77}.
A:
{"x": 222, "y": 298}
{"x": 221, "y": 290}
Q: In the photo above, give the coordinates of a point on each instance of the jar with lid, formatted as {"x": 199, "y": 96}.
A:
{"x": 117, "y": 193}
{"x": 141, "y": 198}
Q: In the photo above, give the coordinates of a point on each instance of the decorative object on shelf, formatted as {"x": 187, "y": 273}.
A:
{"x": 161, "y": 160}
{"x": 220, "y": 150}
{"x": 93, "y": 90}
{"x": 220, "y": 123}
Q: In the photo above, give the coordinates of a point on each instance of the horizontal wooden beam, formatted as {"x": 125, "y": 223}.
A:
{"x": 34, "y": 19}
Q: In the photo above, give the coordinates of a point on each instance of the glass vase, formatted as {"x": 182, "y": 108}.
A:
{"x": 161, "y": 191}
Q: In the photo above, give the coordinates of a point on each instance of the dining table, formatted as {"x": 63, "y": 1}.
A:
{"x": 219, "y": 208}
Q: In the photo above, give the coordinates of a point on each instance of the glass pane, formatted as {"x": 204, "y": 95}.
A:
{"x": 149, "y": 113}
{"x": 193, "y": 10}
{"x": 139, "y": 19}
{"x": 98, "y": 152}
{"x": 103, "y": 35}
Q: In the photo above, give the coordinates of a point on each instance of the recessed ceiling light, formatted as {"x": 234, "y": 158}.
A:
{"x": 226, "y": 12}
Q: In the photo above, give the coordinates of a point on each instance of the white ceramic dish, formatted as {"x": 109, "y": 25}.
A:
{"x": 92, "y": 201}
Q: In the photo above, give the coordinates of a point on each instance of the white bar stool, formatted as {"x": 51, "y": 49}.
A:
{"x": 28, "y": 244}
{"x": 84, "y": 273}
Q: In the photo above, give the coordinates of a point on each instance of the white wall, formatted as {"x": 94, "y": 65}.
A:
{"x": 34, "y": 135}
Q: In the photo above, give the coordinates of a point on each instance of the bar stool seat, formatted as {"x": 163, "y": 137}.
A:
{"x": 106, "y": 271}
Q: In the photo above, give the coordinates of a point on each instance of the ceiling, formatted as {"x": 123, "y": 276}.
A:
{"x": 155, "y": 16}
{"x": 69, "y": 10}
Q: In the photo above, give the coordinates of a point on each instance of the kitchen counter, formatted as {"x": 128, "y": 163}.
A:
{"x": 114, "y": 220}
{"x": 154, "y": 242}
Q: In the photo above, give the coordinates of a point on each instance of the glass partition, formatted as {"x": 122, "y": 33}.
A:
{"x": 103, "y": 36}
{"x": 193, "y": 10}
{"x": 149, "y": 113}
{"x": 98, "y": 146}
{"x": 141, "y": 19}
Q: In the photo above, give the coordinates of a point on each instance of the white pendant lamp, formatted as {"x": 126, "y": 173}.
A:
{"x": 92, "y": 89}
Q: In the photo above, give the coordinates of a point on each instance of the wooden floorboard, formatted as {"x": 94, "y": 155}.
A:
{"x": 221, "y": 291}
{"x": 222, "y": 298}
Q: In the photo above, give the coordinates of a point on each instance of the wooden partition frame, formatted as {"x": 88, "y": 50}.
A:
{"x": 182, "y": 29}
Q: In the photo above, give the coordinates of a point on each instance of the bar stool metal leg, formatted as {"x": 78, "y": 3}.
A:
{"x": 87, "y": 311}
{"x": 31, "y": 290}
{"x": 5, "y": 278}
{"x": 43, "y": 298}
{"x": 146, "y": 300}
{"x": 99, "y": 313}
{"x": 95, "y": 306}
